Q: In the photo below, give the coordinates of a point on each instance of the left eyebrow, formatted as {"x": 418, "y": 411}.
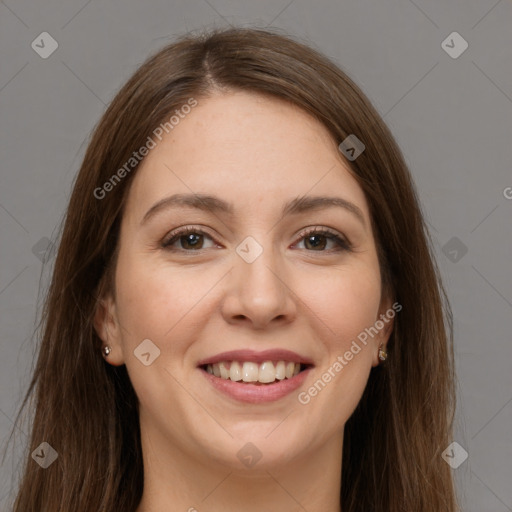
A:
{"x": 309, "y": 203}
{"x": 214, "y": 204}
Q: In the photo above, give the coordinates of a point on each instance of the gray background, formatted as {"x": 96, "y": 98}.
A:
{"x": 451, "y": 117}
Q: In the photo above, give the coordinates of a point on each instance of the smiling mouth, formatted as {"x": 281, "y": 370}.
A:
{"x": 254, "y": 373}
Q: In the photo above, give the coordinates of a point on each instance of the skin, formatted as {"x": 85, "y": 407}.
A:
{"x": 256, "y": 153}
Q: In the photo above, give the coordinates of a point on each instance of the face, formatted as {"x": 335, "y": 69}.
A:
{"x": 249, "y": 261}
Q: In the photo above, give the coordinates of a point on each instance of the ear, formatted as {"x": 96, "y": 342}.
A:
{"x": 384, "y": 323}
{"x": 108, "y": 328}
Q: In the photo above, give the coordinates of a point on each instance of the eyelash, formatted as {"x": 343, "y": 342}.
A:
{"x": 343, "y": 244}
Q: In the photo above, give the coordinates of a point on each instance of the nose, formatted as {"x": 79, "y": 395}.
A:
{"x": 258, "y": 294}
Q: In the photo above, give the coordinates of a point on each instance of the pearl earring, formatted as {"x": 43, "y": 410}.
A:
{"x": 382, "y": 353}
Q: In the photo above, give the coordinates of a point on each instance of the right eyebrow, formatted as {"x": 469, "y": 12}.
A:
{"x": 199, "y": 201}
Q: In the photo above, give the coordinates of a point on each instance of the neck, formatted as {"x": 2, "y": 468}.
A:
{"x": 189, "y": 483}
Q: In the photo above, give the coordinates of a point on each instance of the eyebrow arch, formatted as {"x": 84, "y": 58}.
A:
{"x": 214, "y": 205}
{"x": 203, "y": 202}
{"x": 309, "y": 203}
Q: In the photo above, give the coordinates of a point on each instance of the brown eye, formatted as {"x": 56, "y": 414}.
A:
{"x": 315, "y": 241}
{"x": 189, "y": 239}
{"x": 318, "y": 240}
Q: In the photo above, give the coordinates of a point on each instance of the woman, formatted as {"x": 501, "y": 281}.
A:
{"x": 244, "y": 313}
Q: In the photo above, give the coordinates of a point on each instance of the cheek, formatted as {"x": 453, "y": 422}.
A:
{"x": 346, "y": 301}
{"x": 158, "y": 301}
{"x": 143, "y": 304}
{"x": 346, "y": 305}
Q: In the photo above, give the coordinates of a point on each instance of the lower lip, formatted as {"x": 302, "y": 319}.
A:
{"x": 254, "y": 393}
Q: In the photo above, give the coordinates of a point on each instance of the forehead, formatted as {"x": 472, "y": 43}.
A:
{"x": 251, "y": 150}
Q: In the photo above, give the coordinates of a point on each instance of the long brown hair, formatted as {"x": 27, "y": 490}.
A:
{"x": 87, "y": 409}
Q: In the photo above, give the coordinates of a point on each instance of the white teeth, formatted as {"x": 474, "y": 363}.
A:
{"x": 266, "y": 372}
{"x": 280, "y": 370}
{"x": 290, "y": 367}
{"x": 250, "y": 372}
{"x": 235, "y": 372}
{"x": 224, "y": 372}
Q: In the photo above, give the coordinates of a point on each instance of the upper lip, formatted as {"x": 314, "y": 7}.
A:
{"x": 256, "y": 357}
